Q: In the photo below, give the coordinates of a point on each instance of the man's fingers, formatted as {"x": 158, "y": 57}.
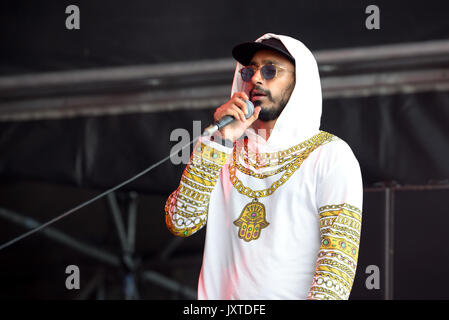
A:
{"x": 255, "y": 114}
{"x": 242, "y": 105}
{"x": 236, "y": 107}
{"x": 241, "y": 95}
{"x": 232, "y": 111}
{"x": 239, "y": 111}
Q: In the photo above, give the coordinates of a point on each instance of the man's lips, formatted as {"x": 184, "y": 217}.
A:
{"x": 255, "y": 98}
{"x": 257, "y": 95}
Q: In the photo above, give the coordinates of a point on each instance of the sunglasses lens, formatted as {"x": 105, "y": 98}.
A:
{"x": 247, "y": 74}
{"x": 268, "y": 72}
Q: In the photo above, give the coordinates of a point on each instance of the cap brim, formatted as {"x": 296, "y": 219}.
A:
{"x": 244, "y": 52}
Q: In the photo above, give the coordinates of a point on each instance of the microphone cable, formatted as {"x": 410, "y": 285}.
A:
{"x": 86, "y": 203}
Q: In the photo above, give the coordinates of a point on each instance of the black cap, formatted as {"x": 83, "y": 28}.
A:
{"x": 244, "y": 52}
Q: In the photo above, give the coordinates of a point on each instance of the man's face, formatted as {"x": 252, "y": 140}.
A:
{"x": 273, "y": 94}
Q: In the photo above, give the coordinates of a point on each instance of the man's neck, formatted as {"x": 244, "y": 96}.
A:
{"x": 263, "y": 128}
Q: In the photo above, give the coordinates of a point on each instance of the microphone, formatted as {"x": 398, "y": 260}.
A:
{"x": 227, "y": 120}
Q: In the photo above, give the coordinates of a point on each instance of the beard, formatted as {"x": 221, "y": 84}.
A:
{"x": 270, "y": 113}
{"x": 274, "y": 110}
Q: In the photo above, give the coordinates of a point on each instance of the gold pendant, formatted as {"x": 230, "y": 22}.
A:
{"x": 251, "y": 221}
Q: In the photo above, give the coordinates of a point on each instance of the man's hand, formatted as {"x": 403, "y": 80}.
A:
{"x": 235, "y": 107}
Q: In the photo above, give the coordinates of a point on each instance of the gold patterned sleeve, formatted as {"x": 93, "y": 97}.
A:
{"x": 187, "y": 207}
{"x": 340, "y": 227}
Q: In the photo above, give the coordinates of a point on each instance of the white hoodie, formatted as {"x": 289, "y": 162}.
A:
{"x": 306, "y": 244}
{"x": 300, "y": 118}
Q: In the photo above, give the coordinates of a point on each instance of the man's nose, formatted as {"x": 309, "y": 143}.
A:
{"x": 257, "y": 77}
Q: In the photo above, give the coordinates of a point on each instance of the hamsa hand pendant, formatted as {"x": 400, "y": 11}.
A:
{"x": 251, "y": 221}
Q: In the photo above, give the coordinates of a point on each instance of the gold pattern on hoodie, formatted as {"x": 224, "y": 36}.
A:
{"x": 289, "y": 169}
{"x": 337, "y": 259}
{"x": 251, "y": 221}
{"x": 265, "y": 160}
{"x": 253, "y": 214}
{"x": 186, "y": 208}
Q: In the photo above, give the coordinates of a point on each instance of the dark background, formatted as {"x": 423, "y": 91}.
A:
{"x": 117, "y": 32}
{"x": 49, "y": 166}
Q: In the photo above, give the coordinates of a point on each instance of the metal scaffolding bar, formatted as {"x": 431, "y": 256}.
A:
{"x": 169, "y": 284}
{"x": 132, "y": 220}
{"x": 52, "y": 233}
{"x": 118, "y": 221}
{"x": 132, "y": 276}
{"x": 389, "y": 243}
{"x": 151, "y": 72}
{"x": 350, "y": 72}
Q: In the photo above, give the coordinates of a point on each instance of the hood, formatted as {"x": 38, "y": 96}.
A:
{"x": 300, "y": 119}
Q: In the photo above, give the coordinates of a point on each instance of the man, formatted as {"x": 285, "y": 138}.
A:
{"x": 281, "y": 198}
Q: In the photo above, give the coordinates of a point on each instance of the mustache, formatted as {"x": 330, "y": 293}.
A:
{"x": 261, "y": 90}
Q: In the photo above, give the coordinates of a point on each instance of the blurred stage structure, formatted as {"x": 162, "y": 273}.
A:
{"x": 66, "y": 136}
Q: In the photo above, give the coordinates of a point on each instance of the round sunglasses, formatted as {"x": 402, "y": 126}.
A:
{"x": 268, "y": 71}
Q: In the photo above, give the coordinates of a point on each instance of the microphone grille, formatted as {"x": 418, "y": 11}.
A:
{"x": 250, "y": 107}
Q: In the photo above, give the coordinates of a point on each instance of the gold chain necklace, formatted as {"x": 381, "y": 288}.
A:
{"x": 253, "y": 216}
{"x": 264, "y": 160}
{"x": 263, "y": 175}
